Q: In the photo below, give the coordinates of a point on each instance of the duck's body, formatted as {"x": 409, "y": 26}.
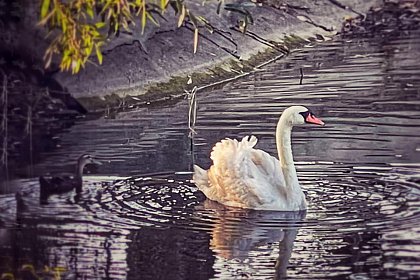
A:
{"x": 242, "y": 176}
{"x": 60, "y": 184}
{"x": 64, "y": 183}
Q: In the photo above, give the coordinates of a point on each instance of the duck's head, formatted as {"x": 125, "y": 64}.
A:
{"x": 296, "y": 115}
{"x": 87, "y": 159}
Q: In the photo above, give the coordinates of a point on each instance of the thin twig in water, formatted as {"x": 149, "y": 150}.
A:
{"x": 301, "y": 76}
{"x": 192, "y": 112}
{"x": 192, "y": 117}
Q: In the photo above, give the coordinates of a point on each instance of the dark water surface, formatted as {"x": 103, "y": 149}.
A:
{"x": 360, "y": 172}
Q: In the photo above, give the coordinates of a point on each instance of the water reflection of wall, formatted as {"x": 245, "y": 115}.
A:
{"x": 135, "y": 142}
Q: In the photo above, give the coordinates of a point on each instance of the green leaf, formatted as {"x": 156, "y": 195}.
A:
{"x": 179, "y": 4}
{"x": 98, "y": 53}
{"x": 158, "y": 14}
{"x": 182, "y": 16}
{"x": 152, "y": 19}
{"x": 100, "y": 24}
{"x": 218, "y": 7}
{"x": 163, "y": 4}
{"x": 76, "y": 67}
{"x": 89, "y": 11}
{"x": 209, "y": 28}
{"x": 44, "y": 8}
{"x": 64, "y": 25}
{"x": 202, "y": 19}
{"x": 245, "y": 26}
{"x": 174, "y": 7}
{"x": 143, "y": 19}
{"x": 236, "y": 10}
{"x": 7, "y": 275}
{"x": 48, "y": 60}
{"x": 195, "y": 40}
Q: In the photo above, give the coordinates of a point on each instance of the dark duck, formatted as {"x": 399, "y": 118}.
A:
{"x": 65, "y": 183}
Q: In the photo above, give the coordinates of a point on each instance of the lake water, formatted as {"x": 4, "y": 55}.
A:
{"x": 140, "y": 217}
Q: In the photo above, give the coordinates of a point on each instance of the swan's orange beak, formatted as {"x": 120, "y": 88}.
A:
{"x": 312, "y": 119}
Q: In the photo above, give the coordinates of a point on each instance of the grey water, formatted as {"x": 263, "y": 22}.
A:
{"x": 140, "y": 217}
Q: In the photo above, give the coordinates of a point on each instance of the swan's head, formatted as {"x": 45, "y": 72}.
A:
{"x": 296, "y": 115}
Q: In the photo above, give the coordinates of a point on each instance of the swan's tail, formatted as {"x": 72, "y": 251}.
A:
{"x": 200, "y": 178}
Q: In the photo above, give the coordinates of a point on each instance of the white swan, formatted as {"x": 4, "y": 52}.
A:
{"x": 242, "y": 176}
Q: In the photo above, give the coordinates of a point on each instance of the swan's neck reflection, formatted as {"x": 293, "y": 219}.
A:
{"x": 285, "y": 252}
{"x": 252, "y": 241}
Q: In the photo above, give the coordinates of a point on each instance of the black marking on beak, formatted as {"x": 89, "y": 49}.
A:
{"x": 305, "y": 114}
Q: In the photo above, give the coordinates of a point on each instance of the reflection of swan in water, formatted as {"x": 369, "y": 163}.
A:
{"x": 247, "y": 239}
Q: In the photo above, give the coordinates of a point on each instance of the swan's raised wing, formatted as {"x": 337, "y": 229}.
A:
{"x": 241, "y": 175}
{"x": 269, "y": 168}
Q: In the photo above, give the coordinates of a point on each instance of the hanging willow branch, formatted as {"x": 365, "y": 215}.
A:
{"x": 78, "y": 29}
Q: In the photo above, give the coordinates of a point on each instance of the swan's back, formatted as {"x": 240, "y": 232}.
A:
{"x": 242, "y": 176}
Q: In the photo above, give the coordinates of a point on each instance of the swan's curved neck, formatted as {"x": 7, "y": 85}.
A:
{"x": 284, "y": 149}
{"x": 284, "y": 142}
